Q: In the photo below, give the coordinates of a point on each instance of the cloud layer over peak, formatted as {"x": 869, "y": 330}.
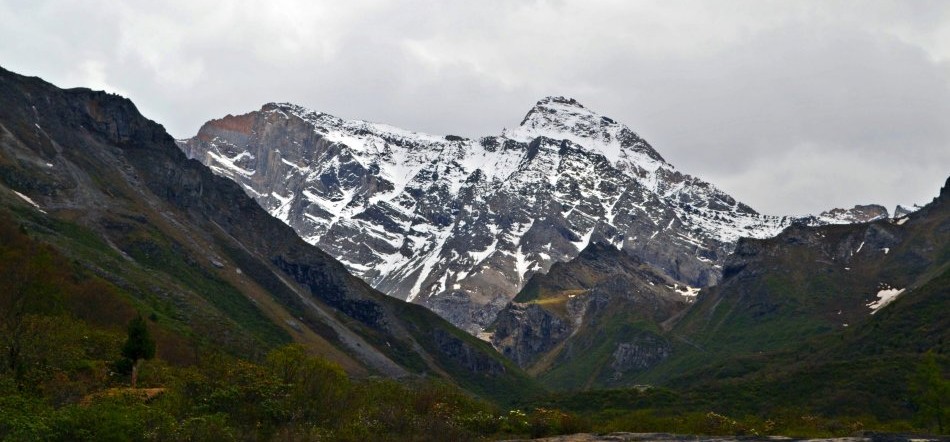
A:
{"x": 792, "y": 107}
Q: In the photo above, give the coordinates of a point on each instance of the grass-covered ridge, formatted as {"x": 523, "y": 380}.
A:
{"x": 63, "y": 329}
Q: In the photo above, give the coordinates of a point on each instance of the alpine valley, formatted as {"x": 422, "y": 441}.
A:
{"x": 307, "y": 277}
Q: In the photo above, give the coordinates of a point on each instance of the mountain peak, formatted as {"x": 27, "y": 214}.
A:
{"x": 550, "y": 111}
{"x": 559, "y": 100}
{"x": 564, "y": 118}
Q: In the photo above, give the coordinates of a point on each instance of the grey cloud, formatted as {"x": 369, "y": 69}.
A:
{"x": 792, "y": 107}
{"x": 853, "y": 96}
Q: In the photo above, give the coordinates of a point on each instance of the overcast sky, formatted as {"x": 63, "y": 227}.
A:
{"x": 791, "y": 107}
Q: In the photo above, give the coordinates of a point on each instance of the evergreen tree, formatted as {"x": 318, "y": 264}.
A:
{"x": 931, "y": 392}
{"x": 139, "y": 346}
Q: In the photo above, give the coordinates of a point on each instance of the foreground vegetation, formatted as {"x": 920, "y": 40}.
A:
{"x": 290, "y": 396}
{"x": 747, "y": 409}
{"x": 73, "y": 344}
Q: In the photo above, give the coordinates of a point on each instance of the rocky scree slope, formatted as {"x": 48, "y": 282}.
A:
{"x": 112, "y": 190}
{"x": 460, "y": 225}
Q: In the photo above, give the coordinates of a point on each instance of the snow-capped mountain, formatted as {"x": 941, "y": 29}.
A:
{"x": 460, "y": 225}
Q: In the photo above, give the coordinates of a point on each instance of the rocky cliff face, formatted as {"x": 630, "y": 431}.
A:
{"x": 525, "y": 331}
{"x": 460, "y": 225}
{"x": 594, "y": 321}
{"x": 854, "y": 215}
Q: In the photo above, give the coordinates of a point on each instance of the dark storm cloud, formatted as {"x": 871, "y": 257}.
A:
{"x": 792, "y": 107}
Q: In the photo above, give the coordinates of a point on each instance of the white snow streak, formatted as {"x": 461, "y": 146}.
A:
{"x": 885, "y": 296}
{"x": 29, "y": 200}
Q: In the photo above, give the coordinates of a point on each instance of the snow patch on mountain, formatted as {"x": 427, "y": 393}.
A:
{"x": 885, "y": 296}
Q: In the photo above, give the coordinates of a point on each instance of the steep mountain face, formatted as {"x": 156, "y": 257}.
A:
{"x": 591, "y": 322}
{"x": 606, "y": 320}
{"x": 460, "y": 225}
{"x": 834, "y": 319}
{"x": 112, "y": 190}
{"x": 821, "y": 285}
